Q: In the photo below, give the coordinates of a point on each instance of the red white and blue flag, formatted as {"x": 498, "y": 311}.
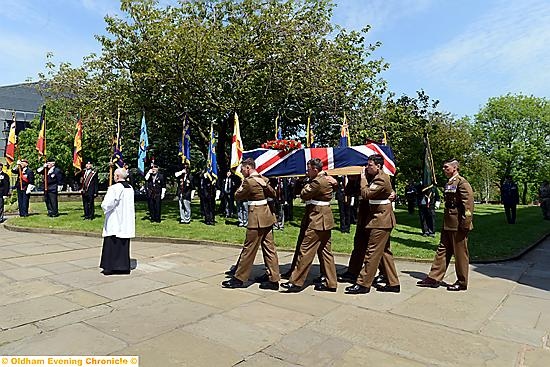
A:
{"x": 271, "y": 162}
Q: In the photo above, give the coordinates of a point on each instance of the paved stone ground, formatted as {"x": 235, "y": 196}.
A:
{"x": 171, "y": 311}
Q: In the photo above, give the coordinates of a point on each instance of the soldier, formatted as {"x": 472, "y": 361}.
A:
{"x": 53, "y": 181}
{"x": 509, "y": 195}
{"x": 256, "y": 189}
{"x": 457, "y": 223}
{"x": 544, "y": 198}
{"x": 24, "y": 184}
{"x": 4, "y": 190}
{"x": 185, "y": 187}
{"x": 317, "y": 228}
{"x": 156, "y": 189}
{"x": 376, "y": 188}
{"x": 89, "y": 190}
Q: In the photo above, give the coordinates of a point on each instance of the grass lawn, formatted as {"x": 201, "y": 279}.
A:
{"x": 491, "y": 238}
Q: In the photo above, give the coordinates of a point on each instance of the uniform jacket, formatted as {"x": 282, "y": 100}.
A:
{"x": 120, "y": 216}
{"x": 4, "y": 184}
{"x": 459, "y": 204}
{"x": 256, "y": 187}
{"x": 24, "y": 178}
{"x": 89, "y": 183}
{"x": 378, "y": 188}
{"x": 319, "y": 216}
{"x": 54, "y": 177}
{"x": 154, "y": 185}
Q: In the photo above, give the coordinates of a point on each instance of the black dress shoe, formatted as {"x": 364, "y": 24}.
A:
{"x": 274, "y": 286}
{"x": 286, "y": 275}
{"x": 233, "y": 283}
{"x": 231, "y": 270}
{"x": 323, "y": 288}
{"x": 346, "y": 278}
{"x": 262, "y": 278}
{"x": 379, "y": 279}
{"x": 428, "y": 283}
{"x": 291, "y": 288}
{"x": 457, "y": 287}
{"x": 357, "y": 289}
{"x": 389, "y": 288}
{"x": 319, "y": 279}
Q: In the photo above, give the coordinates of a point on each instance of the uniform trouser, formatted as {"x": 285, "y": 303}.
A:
{"x": 229, "y": 205}
{"x": 154, "y": 208}
{"x": 51, "y": 203}
{"x": 185, "y": 209}
{"x": 256, "y": 237}
{"x": 510, "y": 211}
{"x": 345, "y": 214}
{"x": 315, "y": 242}
{"x": 208, "y": 210}
{"x": 427, "y": 218}
{"x": 452, "y": 243}
{"x": 1, "y": 207}
{"x": 378, "y": 248}
{"x": 23, "y": 202}
{"x": 357, "y": 257}
{"x": 297, "y": 250}
{"x": 88, "y": 204}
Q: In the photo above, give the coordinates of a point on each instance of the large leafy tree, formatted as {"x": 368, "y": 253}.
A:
{"x": 514, "y": 132}
{"x": 209, "y": 59}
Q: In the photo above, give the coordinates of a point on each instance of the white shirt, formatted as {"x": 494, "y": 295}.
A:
{"x": 120, "y": 216}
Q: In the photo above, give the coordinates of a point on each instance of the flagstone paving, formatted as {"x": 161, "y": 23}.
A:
{"x": 171, "y": 311}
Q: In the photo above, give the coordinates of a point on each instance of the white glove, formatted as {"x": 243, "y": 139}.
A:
{"x": 30, "y": 188}
{"x": 45, "y": 165}
{"x": 163, "y": 193}
{"x": 5, "y": 197}
{"x": 59, "y": 187}
{"x": 179, "y": 173}
{"x": 147, "y": 175}
{"x": 437, "y": 204}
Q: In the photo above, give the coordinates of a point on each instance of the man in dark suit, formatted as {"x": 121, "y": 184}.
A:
{"x": 24, "y": 184}
{"x": 208, "y": 197}
{"x": 376, "y": 188}
{"x": 89, "y": 190}
{"x": 256, "y": 190}
{"x": 509, "y": 195}
{"x": 228, "y": 191}
{"x": 428, "y": 202}
{"x": 155, "y": 187}
{"x": 457, "y": 223}
{"x": 4, "y": 190}
{"x": 343, "y": 204}
{"x": 185, "y": 186}
{"x": 317, "y": 194}
{"x": 53, "y": 181}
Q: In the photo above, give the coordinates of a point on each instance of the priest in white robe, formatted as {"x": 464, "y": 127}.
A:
{"x": 119, "y": 226}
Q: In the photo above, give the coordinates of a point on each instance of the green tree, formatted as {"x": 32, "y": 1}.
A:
{"x": 514, "y": 132}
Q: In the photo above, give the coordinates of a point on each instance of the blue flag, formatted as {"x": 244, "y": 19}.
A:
{"x": 143, "y": 146}
{"x": 185, "y": 143}
{"x": 212, "y": 167}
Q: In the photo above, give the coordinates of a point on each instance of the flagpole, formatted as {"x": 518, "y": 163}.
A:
{"x": 18, "y": 152}
{"x": 45, "y": 152}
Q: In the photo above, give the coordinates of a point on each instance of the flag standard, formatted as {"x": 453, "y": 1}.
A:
{"x": 143, "y": 145}
{"x": 344, "y": 134}
{"x": 236, "y": 147}
{"x": 428, "y": 176}
{"x": 185, "y": 142}
{"x": 41, "y": 142}
{"x": 212, "y": 167}
{"x": 310, "y": 139}
{"x": 77, "y": 152}
{"x": 12, "y": 142}
{"x": 117, "y": 158}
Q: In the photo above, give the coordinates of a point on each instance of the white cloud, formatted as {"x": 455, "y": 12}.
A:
{"x": 506, "y": 49}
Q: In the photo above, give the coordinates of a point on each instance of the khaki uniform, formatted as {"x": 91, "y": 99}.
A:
{"x": 255, "y": 189}
{"x": 457, "y": 222}
{"x": 380, "y": 222}
{"x": 318, "y": 223}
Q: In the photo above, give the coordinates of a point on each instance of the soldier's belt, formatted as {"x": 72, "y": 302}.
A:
{"x": 317, "y": 202}
{"x": 257, "y": 202}
{"x": 379, "y": 202}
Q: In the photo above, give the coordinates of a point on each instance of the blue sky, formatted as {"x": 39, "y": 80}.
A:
{"x": 459, "y": 52}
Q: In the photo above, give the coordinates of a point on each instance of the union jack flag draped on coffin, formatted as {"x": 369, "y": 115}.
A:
{"x": 347, "y": 160}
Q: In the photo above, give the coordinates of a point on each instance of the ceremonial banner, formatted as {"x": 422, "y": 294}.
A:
{"x": 12, "y": 142}
{"x": 77, "y": 152}
{"x": 41, "y": 142}
{"x": 143, "y": 145}
{"x": 236, "y": 147}
{"x": 185, "y": 142}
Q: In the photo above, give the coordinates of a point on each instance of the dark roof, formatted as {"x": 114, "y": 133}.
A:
{"x": 21, "y": 97}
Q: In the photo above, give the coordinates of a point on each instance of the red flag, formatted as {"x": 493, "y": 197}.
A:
{"x": 41, "y": 143}
{"x": 12, "y": 142}
{"x": 77, "y": 153}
